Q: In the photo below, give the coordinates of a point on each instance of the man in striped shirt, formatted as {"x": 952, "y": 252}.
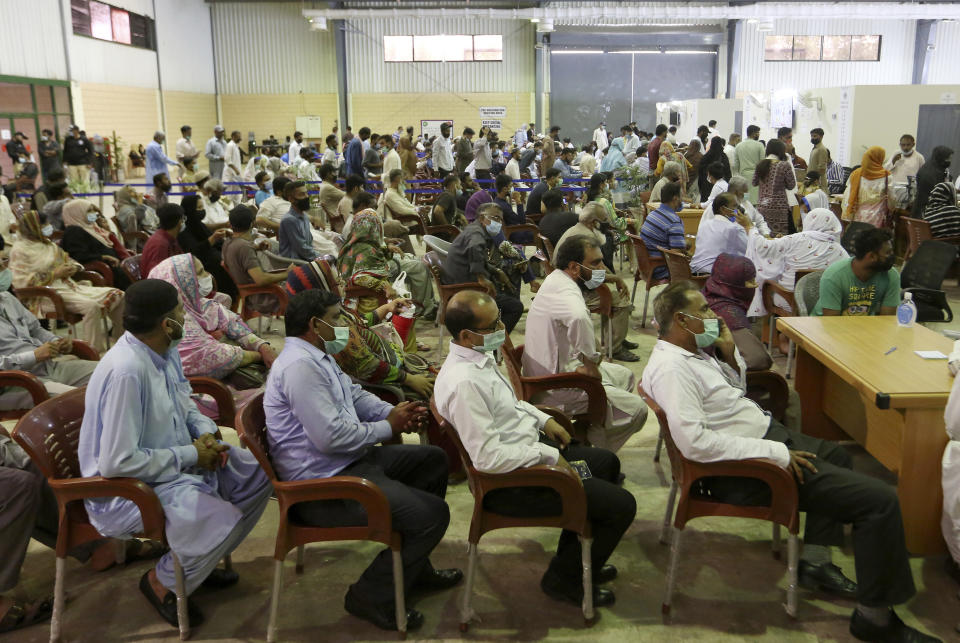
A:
{"x": 663, "y": 226}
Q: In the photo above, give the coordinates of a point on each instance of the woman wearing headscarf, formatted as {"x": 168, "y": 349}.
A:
{"x": 197, "y": 239}
{"x": 815, "y": 248}
{"x": 132, "y": 214}
{"x": 713, "y": 155}
{"x": 613, "y": 158}
{"x": 669, "y": 153}
{"x": 694, "y": 156}
{"x": 201, "y": 352}
{"x": 935, "y": 170}
{"x": 365, "y": 260}
{"x": 942, "y": 212}
{"x": 868, "y": 191}
{"x": 36, "y": 261}
{"x": 774, "y": 176}
{"x": 86, "y": 237}
{"x": 729, "y": 291}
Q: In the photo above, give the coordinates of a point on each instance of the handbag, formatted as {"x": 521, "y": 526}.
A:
{"x": 247, "y": 377}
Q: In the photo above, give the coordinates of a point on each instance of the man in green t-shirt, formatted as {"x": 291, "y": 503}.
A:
{"x": 867, "y": 284}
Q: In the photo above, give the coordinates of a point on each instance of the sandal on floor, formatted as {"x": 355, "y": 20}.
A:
{"x": 135, "y": 550}
{"x": 23, "y": 614}
{"x": 167, "y": 606}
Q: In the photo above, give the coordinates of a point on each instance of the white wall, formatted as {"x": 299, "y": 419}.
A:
{"x": 945, "y": 58}
{"x": 268, "y": 48}
{"x": 32, "y": 44}
{"x": 895, "y": 64}
{"x": 184, "y": 45}
{"x": 368, "y": 73}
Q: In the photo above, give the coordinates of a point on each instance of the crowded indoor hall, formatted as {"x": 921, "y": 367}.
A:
{"x": 489, "y": 320}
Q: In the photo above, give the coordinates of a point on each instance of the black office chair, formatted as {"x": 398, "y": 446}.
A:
{"x": 853, "y": 229}
{"x": 923, "y": 276}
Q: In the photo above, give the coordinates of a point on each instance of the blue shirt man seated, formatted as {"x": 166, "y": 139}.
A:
{"x": 320, "y": 424}
{"x": 140, "y": 422}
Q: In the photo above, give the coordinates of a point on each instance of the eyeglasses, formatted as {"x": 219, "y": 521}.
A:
{"x": 490, "y": 329}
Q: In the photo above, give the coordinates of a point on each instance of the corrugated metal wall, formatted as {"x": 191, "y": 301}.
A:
{"x": 367, "y": 72}
{"x": 895, "y": 65}
{"x": 268, "y": 48}
{"x": 31, "y": 44}
{"x": 945, "y": 60}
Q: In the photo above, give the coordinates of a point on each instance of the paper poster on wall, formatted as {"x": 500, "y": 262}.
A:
{"x": 492, "y": 123}
{"x": 844, "y": 126}
{"x": 311, "y": 127}
{"x": 5, "y": 134}
{"x": 493, "y": 112}
{"x": 431, "y": 128}
{"x": 948, "y": 98}
{"x": 781, "y": 111}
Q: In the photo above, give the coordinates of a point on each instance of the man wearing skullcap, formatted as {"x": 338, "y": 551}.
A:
{"x": 140, "y": 422}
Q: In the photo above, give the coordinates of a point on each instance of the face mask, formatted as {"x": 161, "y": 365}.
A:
{"x": 47, "y": 230}
{"x": 711, "y": 331}
{"x": 91, "y": 217}
{"x": 907, "y": 152}
{"x": 493, "y": 228}
{"x": 6, "y": 278}
{"x": 214, "y": 198}
{"x": 491, "y": 341}
{"x": 43, "y": 138}
{"x": 459, "y": 192}
{"x": 302, "y": 204}
{"x": 175, "y": 340}
{"x": 183, "y": 226}
{"x": 597, "y": 277}
{"x": 341, "y": 335}
{"x": 205, "y": 284}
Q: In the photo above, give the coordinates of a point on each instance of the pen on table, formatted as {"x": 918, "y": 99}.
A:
{"x": 891, "y": 350}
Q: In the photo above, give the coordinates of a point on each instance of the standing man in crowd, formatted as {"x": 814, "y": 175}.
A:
{"x": 49, "y": 150}
{"x": 905, "y": 163}
{"x": 600, "y": 137}
{"x": 186, "y": 151}
{"x": 443, "y": 151}
{"x": 748, "y": 153}
{"x": 549, "y": 154}
{"x": 353, "y": 155}
{"x": 818, "y": 158}
{"x": 77, "y": 155}
{"x": 17, "y": 151}
{"x": 156, "y": 159}
{"x": 653, "y": 150}
{"x": 293, "y": 152}
{"x": 214, "y": 151}
{"x": 464, "y": 150}
{"x": 231, "y": 158}
{"x": 483, "y": 157}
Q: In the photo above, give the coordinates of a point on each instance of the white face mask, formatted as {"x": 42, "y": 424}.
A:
{"x": 205, "y": 284}
{"x": 907, "y": 152}
{"x": 47, "y": 230}
{"x": 91, "y": 217}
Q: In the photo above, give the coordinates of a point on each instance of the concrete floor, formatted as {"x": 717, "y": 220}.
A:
{"x": 729, "y": 587}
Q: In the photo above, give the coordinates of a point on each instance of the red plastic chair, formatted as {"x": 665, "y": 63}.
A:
{"x": 645, "y": 267}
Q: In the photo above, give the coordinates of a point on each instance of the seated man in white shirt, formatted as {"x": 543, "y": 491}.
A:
{"x": 560, "y": 339}
{"x": 711, "y": 420}
{"x": 715, "y": 177}
{"x": 502, "y": 434}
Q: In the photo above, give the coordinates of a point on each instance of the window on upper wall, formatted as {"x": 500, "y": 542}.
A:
{"x": 822, "y": 48}
{"x": 105, "y": 22}
{"x": 443, "y": 48}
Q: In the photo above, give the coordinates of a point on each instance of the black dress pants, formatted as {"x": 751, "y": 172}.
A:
{"x": 610, "y": 509}
{"x": 414, "y": 479}
{"x": 833, "y": 496}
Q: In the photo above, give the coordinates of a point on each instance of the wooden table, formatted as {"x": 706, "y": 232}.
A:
{"x": 890, "y": 404}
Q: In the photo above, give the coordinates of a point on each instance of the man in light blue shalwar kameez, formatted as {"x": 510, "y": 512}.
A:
{"x": 140, "y": 422}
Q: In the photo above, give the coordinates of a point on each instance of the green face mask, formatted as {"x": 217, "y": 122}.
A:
{"x": 341, "y": 336}
{"x": 711, "y": 331}
{"x": 491, "y": 341}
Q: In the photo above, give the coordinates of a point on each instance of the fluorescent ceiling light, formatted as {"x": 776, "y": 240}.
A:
{"x": 577, "y": 51}
{"x": 752, "y": 21}
{"x": 534, "y": 20}
{"x": 636, "y": 51}
{"x": 689, "y": 51}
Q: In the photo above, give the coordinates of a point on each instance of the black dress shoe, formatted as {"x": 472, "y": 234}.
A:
{"x": 826, "y": 578}
{"x": 605, "y": 574}
{"x": 438, "y": 579}
{"x": 573, "y": 592}
{"x": 623, "y": 355}
{"x": 896, "y": 631}
{"x": 383, "y": 616}
{"x": 629, "y": 345}
{"x": 167, "y": 606}
{"x": 220, "y": 578}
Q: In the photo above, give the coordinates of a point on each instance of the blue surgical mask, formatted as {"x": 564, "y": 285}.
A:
{"x": 6, "y": 278}
{"x": 493, "y": 228}
{"x": 47, "y": 230}
{"x": 491, "y": 341}
{"x": 91, "y": 217}
{"x": 597, "y": 277}
{"x": 175, "y": 341}
{"x": 341, "y": 336}
{"x": 711, "y": 331}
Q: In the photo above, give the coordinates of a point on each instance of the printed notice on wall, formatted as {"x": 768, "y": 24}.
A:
{"x": 844, "y": 125}
{"x": 499, "y": 113}
{"x": 5, "y": 134}
{"x": 948, "y": 98}
{"x": 431, "y": 128}
{"x": 492, "y": 123}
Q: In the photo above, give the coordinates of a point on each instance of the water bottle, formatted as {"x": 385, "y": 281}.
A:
{"x": 907, "y": 311}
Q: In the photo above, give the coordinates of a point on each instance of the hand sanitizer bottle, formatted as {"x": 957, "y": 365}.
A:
{"x": 907, "y": 311}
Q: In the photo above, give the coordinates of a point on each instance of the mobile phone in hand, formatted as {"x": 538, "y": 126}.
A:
{"x": 580, "y": 466}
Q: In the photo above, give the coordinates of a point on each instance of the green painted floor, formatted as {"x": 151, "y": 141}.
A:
{"x": 729, "y": 586}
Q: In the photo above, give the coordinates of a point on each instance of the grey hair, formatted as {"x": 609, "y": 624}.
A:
{"x": 212, "y": 185}
{"x": 671, "y": 169}
{"x": 671, "y": 299}
{"x": 592, "y": 211}
{"x": 739, "y": 184}
{"x": 159, "y": 133}
{"x": 486, "y": 208}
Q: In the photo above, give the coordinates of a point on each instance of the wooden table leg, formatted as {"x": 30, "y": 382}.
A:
{"x": 920, "y": 487}
{"x": 809, "y": 386}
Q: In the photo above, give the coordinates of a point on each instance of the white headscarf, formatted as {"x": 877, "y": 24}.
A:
{"x": 816, "y": 248}
{"x": 818, "y": 199}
